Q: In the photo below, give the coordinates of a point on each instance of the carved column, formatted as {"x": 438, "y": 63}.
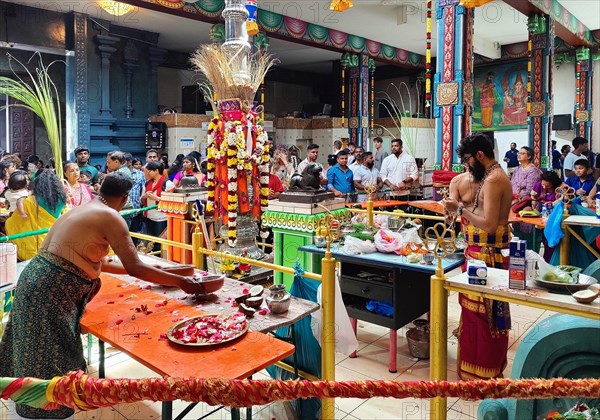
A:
{"x": 155, "y": 56}
{"x": 583, "y": 93}
{"x": 130, "y": 65}
{"x": 358, "y": 106}
{"x": 105, "y": 49}
{"x": 453, "y": 81}
{"x": 541, "y": 41}
{"x": 79, "y": 132}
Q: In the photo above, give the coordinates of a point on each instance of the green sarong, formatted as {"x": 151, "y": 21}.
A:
{"x": 42, "y": 337}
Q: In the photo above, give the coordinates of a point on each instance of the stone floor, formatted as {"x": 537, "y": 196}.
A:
{"x": 371, "y": 363}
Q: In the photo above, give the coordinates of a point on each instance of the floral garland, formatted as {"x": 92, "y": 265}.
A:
{"x": 262, "y": 140}
{"x": 227, "y": 146}
{"x": 211, "y": 155}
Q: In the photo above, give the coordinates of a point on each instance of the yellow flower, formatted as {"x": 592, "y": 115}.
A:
{"x": 264, "y": 191}
{"x": 231, "y": 162}
{"x": 210, "y": 206}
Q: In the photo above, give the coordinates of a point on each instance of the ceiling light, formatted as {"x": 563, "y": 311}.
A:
{"x": 116, "y": 8}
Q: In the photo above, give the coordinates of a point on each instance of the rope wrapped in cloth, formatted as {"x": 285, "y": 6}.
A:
{"x": 78, "y": 390}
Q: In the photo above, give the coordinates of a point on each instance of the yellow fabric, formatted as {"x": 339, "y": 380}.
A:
{"x": 252, "y": 28}
{"x": 474, "y": 3}
{"x": 37, "y": 219}
{"x": 340, "y": 5}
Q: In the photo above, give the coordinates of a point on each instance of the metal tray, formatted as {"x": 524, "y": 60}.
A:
{"x": 554, "y": 286}
{"x": 197, "y": 318}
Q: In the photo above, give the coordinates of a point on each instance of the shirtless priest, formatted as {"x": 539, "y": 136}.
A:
{"x": 42, "y": 337}
{"x": 483, "y": 332}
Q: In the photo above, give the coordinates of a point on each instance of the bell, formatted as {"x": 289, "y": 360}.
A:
{"x": 188, "y": 183}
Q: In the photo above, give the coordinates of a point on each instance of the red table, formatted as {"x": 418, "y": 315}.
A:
{"x": 109, "y": 317}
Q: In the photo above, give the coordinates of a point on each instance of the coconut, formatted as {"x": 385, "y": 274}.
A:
{"x": 257, "y": 291}
{"x": 585, "y": 296}
{"x": 246, "y": 310}
{"x": 254, "y": 301}
{"x": 595, "y": 288}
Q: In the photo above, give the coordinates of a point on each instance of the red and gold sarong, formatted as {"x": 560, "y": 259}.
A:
{"x": 484, "y": 323}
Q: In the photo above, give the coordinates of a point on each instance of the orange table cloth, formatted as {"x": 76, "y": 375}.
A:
{"x": 535, "y": 221}
{"x": 109, "y": 317}
{"x": 377, "y": 204}
{"x": 428, "y": 205}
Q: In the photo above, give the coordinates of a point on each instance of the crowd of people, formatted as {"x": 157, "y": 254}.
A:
{"x": 534, "y": 189}
{"x": 35, "y": 197}
{"x": 352, "y": 172}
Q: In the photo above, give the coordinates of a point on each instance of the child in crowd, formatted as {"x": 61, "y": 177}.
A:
{"x": 17, "y": 192}
{"x": 85, "y": 177}
{"x": 582, "y": 182}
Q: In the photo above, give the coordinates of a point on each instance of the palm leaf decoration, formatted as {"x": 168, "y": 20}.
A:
{"x": 41, "y": 97}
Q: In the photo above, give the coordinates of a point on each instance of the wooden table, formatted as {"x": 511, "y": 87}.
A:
{"x": 428, "y": 205}
{"x": 393, "y": 280}
{"x": 534, "y": 296}
{"x": 577, "y": 220}
{"x": 377, "y": 204}
{"x": 497, "y": 289}
{"x": 112, "y": 317}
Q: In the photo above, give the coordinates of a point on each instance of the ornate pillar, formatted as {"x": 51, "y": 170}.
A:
{"x": 453, "y": 81}
{"x": 155, "y": 56}
{"x": 105, "y": 49}
{"x": 79, "y": 132}
{"x": 541, "y": 43}
{"x": 583, "y": 93}
{"x": 358, "y": 101}
{"x": 130, "y": 65}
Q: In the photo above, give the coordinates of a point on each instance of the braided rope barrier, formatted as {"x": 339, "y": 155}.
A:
{"x": 78, "y": 390}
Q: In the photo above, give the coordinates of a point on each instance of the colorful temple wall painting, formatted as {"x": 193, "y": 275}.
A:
{"x": 500, "y": 97}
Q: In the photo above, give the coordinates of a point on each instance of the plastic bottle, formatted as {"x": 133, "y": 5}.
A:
{"x": 598, "y": 205}
{"x": 544, "y": 213}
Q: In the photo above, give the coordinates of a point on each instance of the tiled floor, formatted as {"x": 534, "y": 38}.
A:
{"x": 371, "y": 363}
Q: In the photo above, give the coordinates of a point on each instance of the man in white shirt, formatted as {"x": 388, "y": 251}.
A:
{"x": 580, "y": 146}
{"x": 399, "y": 171}
{"x": 312, "y": 153}
{"x": 379, "y": 154}
{"x": 366, "y": 175}
{"x": 356, "y": 162}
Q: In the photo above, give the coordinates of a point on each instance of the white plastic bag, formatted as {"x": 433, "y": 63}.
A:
{"x": 345, "y": 339}
{"x": 410, "y": 236}
{"x": 354, "y": 245}
{"x": 387, "y": 241}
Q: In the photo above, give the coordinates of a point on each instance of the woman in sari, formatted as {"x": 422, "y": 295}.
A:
{"x": 190, "y": 167}
{"x": 78, "y": 193}
{"x": 43, "y": 207}
{"x": 522, "y": 181}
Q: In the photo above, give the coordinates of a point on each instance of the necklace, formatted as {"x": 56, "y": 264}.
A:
{"x": 485, "y": 175}
{"x": 103, "y": 200}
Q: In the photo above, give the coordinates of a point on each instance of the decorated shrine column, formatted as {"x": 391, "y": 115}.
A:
{"x": 541, "y": 46}
{"x": 453, "y": 81}
{"x": 583, "y": 93}
{"x": 358, "y": 70}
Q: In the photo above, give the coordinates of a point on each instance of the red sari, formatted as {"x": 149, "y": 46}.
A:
{"x": 484, "y": 323}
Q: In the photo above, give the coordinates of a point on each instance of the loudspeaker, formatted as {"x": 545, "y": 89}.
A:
{"x": 192, "y": 100}
{"x": 156, "y": 135}
{"x": 561, "y": 122}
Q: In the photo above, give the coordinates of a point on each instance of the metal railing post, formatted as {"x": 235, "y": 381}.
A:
{"x": 439, "y": 338}
{"x": 328, "y": 329}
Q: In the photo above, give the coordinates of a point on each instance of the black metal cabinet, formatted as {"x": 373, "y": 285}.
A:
{"x": 406, "y": 290}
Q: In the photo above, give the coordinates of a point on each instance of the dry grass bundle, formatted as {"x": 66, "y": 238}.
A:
{"x": 223, "y": 73}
